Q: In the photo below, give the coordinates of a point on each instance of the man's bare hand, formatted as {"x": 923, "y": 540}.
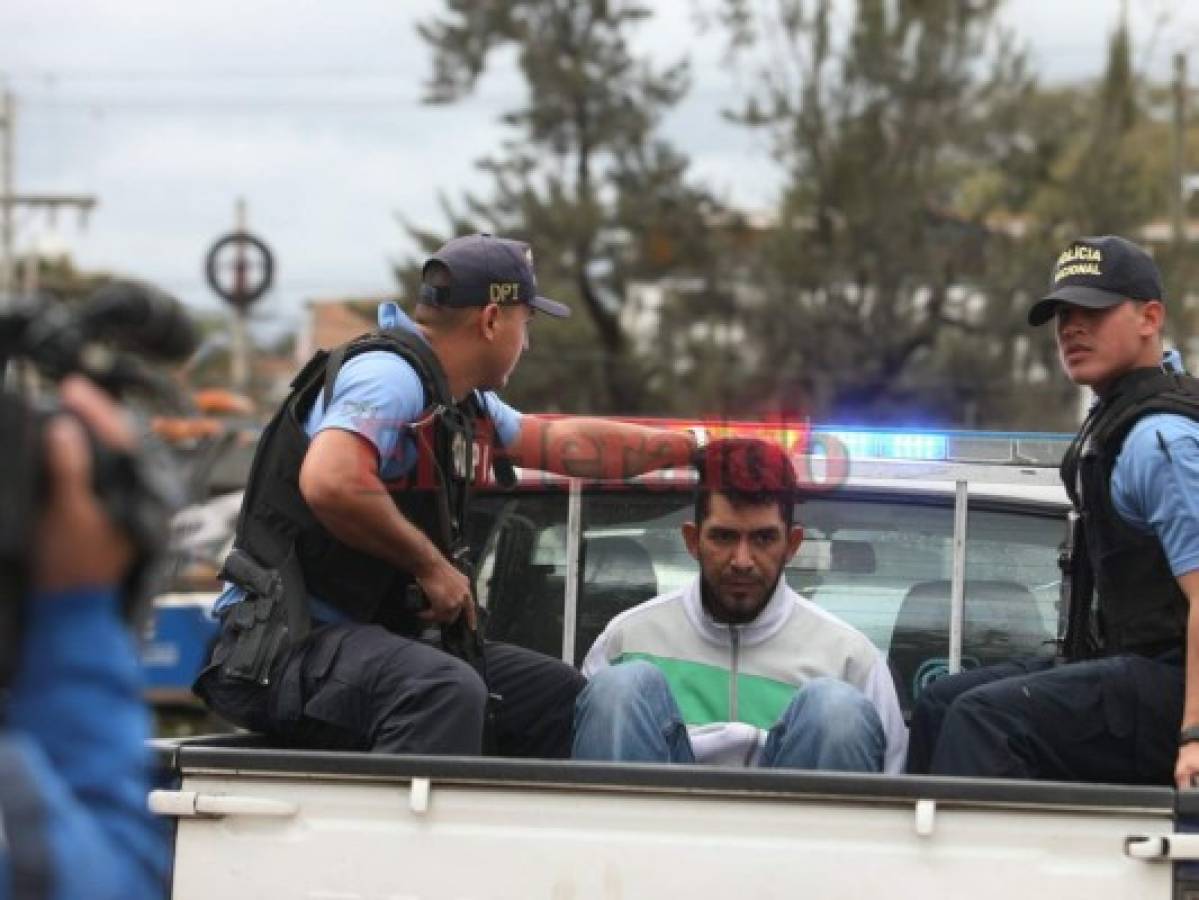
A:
{"x": 449, "y": 595}
{"x": 1187, "y": 767}
{"x": 76, "y": 543}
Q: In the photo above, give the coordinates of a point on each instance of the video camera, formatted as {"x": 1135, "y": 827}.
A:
{"x": 104, "y": 339}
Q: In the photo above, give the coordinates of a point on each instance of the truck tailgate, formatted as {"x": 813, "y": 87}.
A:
{"x": 270, "y": 824}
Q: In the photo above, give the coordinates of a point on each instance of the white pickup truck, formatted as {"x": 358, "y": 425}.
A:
{"x": 945, "y": 562}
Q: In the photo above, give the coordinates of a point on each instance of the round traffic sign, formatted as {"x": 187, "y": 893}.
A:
{"x": 240, "y": 267}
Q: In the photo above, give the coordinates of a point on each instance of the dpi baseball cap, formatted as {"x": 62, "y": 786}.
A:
{"x": 487, "y": 269}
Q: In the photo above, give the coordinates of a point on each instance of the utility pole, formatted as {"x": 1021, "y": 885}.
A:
{"x": 7, "y": 123}
{"x": 239, "y": 356}
{"x": 250, "y": 263}
{"x": 1185, "y": 184}
{"x": 10, "y": 200}
{"x": 1178, "y": 196}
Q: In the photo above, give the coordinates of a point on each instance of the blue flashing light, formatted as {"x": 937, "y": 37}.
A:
{"x": 889, "y": 444}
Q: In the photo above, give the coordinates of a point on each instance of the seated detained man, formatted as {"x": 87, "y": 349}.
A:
{"x": 736, "y": 668}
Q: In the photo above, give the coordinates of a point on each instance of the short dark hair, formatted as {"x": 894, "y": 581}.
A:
{"x": 439, "y": 318}
{"x": 748, "y": 472}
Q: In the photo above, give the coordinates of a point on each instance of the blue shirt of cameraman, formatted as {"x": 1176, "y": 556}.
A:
{"x": 74, "y": 772}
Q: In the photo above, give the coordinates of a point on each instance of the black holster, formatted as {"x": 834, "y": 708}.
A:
{"x": 269, "y": 621}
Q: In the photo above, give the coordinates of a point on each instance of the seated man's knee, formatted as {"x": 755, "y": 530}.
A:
{"x": 828, "y": 725}
{"x": 455, "y": 682}
{"x": 976, "y": 703}
{"x": 437, "y": 706}
{"x": 838, "y": 706}
{"x": 628, "y": 681}
{"x": 627, "y": 713}
{"x": 940, "y": 693}
{"x": 985, "y": 734}
{"x": 455, "y": 694}
{"x": 981, "y": 716}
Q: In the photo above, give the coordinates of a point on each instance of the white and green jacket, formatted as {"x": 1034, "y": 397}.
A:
{"x": 733, "y": 682}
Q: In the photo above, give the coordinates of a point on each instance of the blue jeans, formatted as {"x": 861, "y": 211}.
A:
{"x": 627, "y": 713}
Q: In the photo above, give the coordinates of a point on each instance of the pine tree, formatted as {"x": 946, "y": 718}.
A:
{"x": 584, "y": 177}
{"x": 872, "y": 275}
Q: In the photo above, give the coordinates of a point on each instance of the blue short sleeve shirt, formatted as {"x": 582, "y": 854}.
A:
{"x": 378, "y": 396}
{"x": 1155, "y": 485}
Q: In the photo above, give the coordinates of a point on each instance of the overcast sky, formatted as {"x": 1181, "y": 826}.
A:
{"x": 167, "y": 112}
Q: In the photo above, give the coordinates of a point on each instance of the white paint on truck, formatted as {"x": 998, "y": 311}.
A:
{"x": 499, "y": 831}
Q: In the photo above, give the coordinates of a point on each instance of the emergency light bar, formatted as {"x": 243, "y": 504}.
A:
{"x": 907, "y": 444}
{"x": 835, "y": 452}
{"x": 996, "y": 447}
{"x": 884, "y": 444}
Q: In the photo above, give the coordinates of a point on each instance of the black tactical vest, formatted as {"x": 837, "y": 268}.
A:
{"x": 433, "y": 496}
{"x": 1141, "y": 608}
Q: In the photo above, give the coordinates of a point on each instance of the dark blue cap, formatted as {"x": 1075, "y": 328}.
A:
{"x": 1098, "y": 272}
{"x": 486, "y": 269}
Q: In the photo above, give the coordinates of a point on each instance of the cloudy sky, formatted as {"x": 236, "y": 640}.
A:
{"x": 168, "y": 112}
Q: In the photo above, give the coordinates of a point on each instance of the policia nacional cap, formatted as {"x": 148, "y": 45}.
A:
{"x": 486, "y": 269}
{"x": 1098, "y": 272}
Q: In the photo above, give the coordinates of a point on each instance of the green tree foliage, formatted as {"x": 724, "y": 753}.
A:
{"x": 1107, "y": 168}
{"x": 1101, "y": 182}
{"x": 884, "y": 125}
{"x": 929, "y": 184}
{"x": 584, "y": 178}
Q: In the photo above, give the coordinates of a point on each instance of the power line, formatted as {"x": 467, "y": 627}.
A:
{"x": 233, "y": 105}
{"x": 188, "y": 106}
{"x": 178, "y": 74}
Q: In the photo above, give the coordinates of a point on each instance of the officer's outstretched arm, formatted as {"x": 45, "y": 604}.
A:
{"x": 340, "y": 482}
{"x": 1186, "y": 771}
{"x": 598, "y": 448}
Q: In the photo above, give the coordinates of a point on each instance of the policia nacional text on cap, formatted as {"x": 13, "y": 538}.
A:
{"x": 1098, "y": 272}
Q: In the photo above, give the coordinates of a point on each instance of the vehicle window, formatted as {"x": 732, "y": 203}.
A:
{"x": 1019, "y": 547}
{"x": 520, "y": 545}
{"x": 881, "y": 564}
{"x": 877, "y": 551}
{"x": 632, "y": 550}
{"x": 859, "y": 558}
{"x": 1011, "y": 593}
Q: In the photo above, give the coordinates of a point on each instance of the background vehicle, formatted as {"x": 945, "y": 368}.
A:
{"x": 178, "y": 636}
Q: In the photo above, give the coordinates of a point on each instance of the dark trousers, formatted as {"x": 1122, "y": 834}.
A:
{"x": 1108, "y": 720}
{"x": 361, "y": 687}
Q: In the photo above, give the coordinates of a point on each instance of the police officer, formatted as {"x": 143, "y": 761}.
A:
{"x": 73, "y": 764}
{"x": 1125, "y": 706}
{"x": 362, "y": 479}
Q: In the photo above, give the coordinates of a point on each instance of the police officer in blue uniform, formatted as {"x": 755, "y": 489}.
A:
{"x": 73, "y": 764}
{"x": 1124, "y": 706}
{"x": 360, "y": 490}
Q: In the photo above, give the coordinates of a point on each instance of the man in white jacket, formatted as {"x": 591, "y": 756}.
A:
{"x": 735, "y": 668}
